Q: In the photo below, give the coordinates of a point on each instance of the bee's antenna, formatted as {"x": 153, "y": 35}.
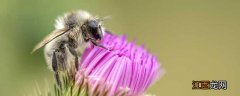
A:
{"x": 104, "y": 18}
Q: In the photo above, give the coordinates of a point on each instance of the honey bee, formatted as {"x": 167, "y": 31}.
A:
{"x": 73, "y": 32}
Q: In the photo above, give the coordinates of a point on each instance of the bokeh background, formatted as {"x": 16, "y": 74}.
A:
{"x": 193, "y": 39}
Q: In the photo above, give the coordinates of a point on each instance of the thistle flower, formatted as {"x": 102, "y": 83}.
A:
{"x": 123, "y": 69}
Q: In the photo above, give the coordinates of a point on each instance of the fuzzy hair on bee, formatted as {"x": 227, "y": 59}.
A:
{"x": 74, "y": 31}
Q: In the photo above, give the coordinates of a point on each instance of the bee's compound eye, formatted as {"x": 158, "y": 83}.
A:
{"x": 94, "y": 30}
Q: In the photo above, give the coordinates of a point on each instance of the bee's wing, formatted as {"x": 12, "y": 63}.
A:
{"x": 56, "y": 33}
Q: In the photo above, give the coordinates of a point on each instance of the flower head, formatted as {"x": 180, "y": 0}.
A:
{"x": 124, "y": 66}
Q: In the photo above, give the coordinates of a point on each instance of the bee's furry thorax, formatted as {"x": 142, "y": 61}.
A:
{"x": 72, "y": 19}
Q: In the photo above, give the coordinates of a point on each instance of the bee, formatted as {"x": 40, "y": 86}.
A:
{"x": 74, "y": 31}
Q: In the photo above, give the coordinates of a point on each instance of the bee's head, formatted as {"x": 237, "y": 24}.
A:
{"x": 92, "y": 30}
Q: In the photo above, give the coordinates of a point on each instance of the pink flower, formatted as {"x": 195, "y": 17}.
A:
{"x": 124, "y": 66}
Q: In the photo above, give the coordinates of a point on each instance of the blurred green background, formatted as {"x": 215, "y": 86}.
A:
{"x": 193, "y": 39}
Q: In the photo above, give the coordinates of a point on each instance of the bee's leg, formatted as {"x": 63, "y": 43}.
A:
{"x": 74, "y": 53}
{"x": 99, "y": 45}
{"x": 54, "y": 62}
{"x": 55, "y": 69}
